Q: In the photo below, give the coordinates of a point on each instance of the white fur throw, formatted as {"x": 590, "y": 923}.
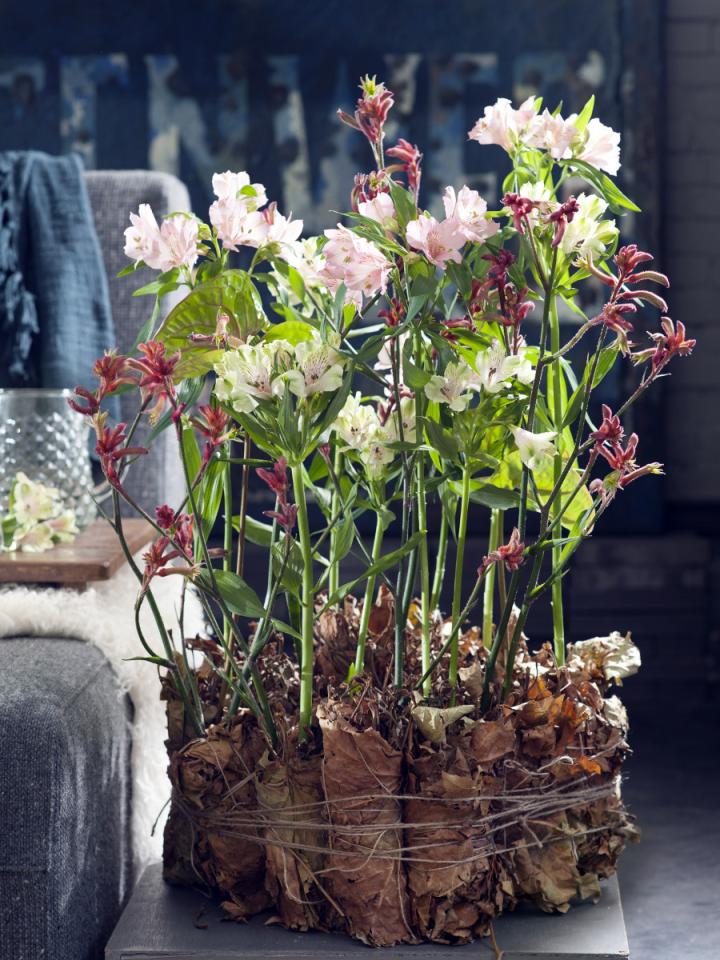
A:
{"x": 103, "y": 615}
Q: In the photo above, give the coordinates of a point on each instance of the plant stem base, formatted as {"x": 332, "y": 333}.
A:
{"x": 175, "y": 923}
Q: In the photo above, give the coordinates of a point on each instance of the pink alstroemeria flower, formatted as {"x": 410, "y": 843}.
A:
{"x": 440, "y": 240}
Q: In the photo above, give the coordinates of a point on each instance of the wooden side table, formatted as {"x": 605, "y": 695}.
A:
{"x": 94, "y": 555}
{"x": 169, "y": 923}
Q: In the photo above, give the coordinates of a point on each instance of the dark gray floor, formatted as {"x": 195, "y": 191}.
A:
{"x": 670, "y": 882}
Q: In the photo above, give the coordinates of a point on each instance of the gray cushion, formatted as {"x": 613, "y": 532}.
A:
{"x": 114, "y": 194}
{"x": 65, "y": 857}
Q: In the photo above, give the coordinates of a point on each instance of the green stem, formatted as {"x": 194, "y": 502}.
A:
{"x": 472, "y": 600}
{"x": 227, "y": 540}
{"x": 457, "y": 583}
{"x": 423, "y": 545}
{"x": 334, "y": 572}
{"x": 306, "y": 667}
{"x": 489, "y": 594}
{"x": 189, "y": 697}
{"x": 440, "y": 561}
{"x": 359, "y": 665}
{"x": 245, "y": 487}
{"x": 227, "y": 616}
{"x": 557, "y": 587}
{"x": 524, "y": 482}
{"x": 400, "y": 606}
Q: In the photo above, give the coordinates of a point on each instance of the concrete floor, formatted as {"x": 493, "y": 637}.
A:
{"x": 670, "y": 882}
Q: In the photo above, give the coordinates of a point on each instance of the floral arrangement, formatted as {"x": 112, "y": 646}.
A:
{"x": 398, "y": 360}
{"x": 36, "y": 518}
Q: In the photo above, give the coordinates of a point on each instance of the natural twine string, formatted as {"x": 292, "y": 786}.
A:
{"x": 518, "y": 808}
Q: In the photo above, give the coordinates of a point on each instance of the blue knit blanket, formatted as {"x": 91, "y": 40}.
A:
{"x": 55, "y": 317}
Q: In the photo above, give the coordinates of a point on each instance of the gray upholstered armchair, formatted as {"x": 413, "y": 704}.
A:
{"x": 65, "y": 855}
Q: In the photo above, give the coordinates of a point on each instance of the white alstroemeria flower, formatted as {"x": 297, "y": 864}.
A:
{"x": 407, "y": 413}
{"x": 35, "y": 539}
{"x": 64, "y": 529}
{"x": 274, "y": 228}
{"x": 357, "y": 423}
{"x": 453, "y": 388}
{"x": 235, "y": 226}
{"x": 237, "y": 187}
{"x": 252, "y": 373}
{"x": 355, "y": 262}
{"x": 318, "y": 369}
{"x": 598, "y": 145}
{"x": 376, "y": 455}
{"x": 551, "y": 133}
{"x": 33, "y": 501}
{"x": 468, "y": 208}
{"x": 303, "y": 255}
{"x": 502, "y": 124}
{"x": 520, "y": 367}
{"x": 495, "y": 369}
{"x": 587, "y": 233}
{"x": 384, "y": 357}
{"x": 535, "y": 448}
{"x": 540, "y": 192}
{"x": 381, "y": 209}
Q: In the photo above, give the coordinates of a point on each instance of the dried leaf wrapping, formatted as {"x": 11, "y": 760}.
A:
{"x": 286, "y": 792}
{"x": 365, "y": 873}
{"x": 614, "y": 656}
{"x": 336, "y": 634}
{"x": 523, "y": 804}
{"x": 548, "y": 873}
{"x": 440, "y": 841}
{"x": 434, "y": 721}
{"x": 215, "y": 779}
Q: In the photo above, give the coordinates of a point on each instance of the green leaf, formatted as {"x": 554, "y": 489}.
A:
{"x": 191, "y": 451}
{"x": 608, "y": 356}
{"x": 158, "y": 661}
{"x": 231, "y": 293}
{"x": 294, "y": 331}
{"x": 405, "y": 206}
{"x": 147, "y": 328}
{"x": 460, "y": 274}
{"x": 574, "y": 406}
{"x": 384, "y": 563}
{"x": 413, "y": 376}
{"x": 130, "y": 268}
{"x": 585, "y": 114}
{"x": 336, "y": 404}
{"x": 283, "y": 627}
{"x": 211, "y": 494}
{"x": 255, "y": 532}
{"x": 296, "y": 283}
{"x": 8, "y": 526}
{"x": 497, "y": 498}
{"x": 238, "y": 595}
{"x": 291, "y": 579}
{"x": 442, "y": 440}
{"x": 344, "y": 538}
{"x": 616, "y": 199}
{"x": 162, "y": 284}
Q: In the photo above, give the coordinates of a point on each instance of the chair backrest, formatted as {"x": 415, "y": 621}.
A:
{"x": 114, "y": 194}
